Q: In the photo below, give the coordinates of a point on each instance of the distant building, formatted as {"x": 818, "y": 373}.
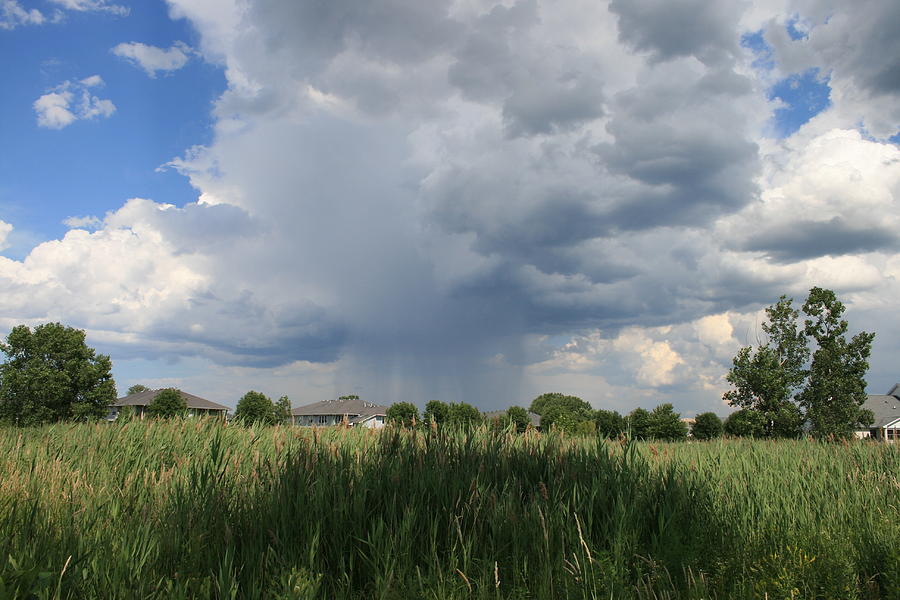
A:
{"x": 886, "y": 409}
{"x": 196, "y": 406}
{"x": 352, "y": 411}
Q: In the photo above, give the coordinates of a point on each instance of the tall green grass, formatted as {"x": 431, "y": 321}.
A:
{"x": 196, "y": 509}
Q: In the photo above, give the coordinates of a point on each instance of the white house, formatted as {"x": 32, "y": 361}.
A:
{"x": 886, "y": 409}
{"x": 349, "y": 410}
{"x": 196, "y": 406}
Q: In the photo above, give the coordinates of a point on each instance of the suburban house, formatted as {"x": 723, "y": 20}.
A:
{"x": 534, "y": 418}
{"x": 196, "y": 405}
{"x": 352, "y": 411}
{"x": 886, "y": 409}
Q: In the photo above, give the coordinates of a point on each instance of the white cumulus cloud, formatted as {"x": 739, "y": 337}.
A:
{"x": 153, "y": 59}
{"x": 72, "y": 101}
{"x": 12, "y": 15}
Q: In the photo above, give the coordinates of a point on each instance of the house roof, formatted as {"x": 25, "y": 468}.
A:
{"x": 886, "y": 408}
{"x": 352, "y": 406}
{"x": 499, "y": 414}
{"x": 146, "y": 397}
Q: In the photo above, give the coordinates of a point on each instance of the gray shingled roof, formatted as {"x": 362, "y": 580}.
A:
{"x": 350, "y": 407}
{"x": 885, "y": 408}
{"x": 145, "y": 398}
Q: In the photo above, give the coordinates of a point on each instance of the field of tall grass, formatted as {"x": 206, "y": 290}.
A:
{"x": 193, "y": 509}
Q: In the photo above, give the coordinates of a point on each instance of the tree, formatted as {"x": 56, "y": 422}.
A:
{"x": 707, "y": 426}
{"x": 137, "y": 389}
{"x": 610, "y": 424}
{"x": 637, "y": 423}
{"x": 168, "y": 403}
{"x": 436, "y": 412}
{"x": 666, "y": 424}
{"x": 765, "y": 380}
{"x": 255, "y": 408}
{"x": 462, "y": 414}
{"x": 562, "y": 411}
{"x": 403, "y": 413}
{"x": 836, "y": 388}
{"x": 51, "y": 374}
{"x": 282, "y": 410}
{"x": 745, "y": 422}
{"x": 518, "y": 416}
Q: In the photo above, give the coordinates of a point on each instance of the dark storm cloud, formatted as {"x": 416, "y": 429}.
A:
{"x": 803, "y": 240}
{"x": 669, "y": 29}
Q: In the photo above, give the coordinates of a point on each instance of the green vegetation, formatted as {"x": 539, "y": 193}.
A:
{"x": 707, "y": 426}
{"x": 167, "y": 404}
{"x": 255, "y": 408}
{"x": 200, "y": 509}
{"x": 781, "y": 388}
{"x": 50, "y": 374}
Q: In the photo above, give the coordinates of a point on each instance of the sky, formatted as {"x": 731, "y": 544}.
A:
{"x": 461, "y": 200}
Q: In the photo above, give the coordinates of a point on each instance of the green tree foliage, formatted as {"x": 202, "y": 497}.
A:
{"x": 637, "y": 423}
{"x": 282, "y": 410}
{"x": 50, "y": 374}
{"x": 403, "y": 413}
{"x": 463, "y": 414}
{"x": 168, "y": 403}
{"x": 707, "y": 426}
{"x": 561, "y": 411}
{"x": 610, "y": 424}
{"x": 137, "y": 389}
{"x": 836, "y": 388}
{"x": 518, "y": 416}
{"x": 436, "y": 412}
{"x": 766, "y": 379}
{"x": 745, "y": 422}
{"x": 255, "y": 408}
{"x": 666, "y": 424}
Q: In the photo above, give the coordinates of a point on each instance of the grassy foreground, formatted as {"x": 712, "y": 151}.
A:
{"x": 202, "y": 510}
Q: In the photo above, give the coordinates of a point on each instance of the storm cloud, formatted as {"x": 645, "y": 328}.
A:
{"x": 477, "y": 201}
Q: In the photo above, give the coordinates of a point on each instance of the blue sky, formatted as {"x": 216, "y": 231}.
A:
{"x": 92, "y": 166}
{"x": 419, "y": 200}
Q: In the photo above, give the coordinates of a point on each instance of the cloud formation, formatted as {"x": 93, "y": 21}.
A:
{"x": 12, "y": 15}
{"x": 72, "y": 101}
{"x": 469, "y": 201}
{"x": 154, "y": 60}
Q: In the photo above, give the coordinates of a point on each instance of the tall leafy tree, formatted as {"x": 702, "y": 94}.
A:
{"x": 766, "y": 379}
{"x": 255, "y": 408}
{"x": 282, "y": 410}
{"x": 561, "y": 410}
{"x": 168, "y": 403}
{"x": 637, "y": 423}
{"x": 463, "y": 414}
{"x": 707, "y": 426}
{"x": 836, "y": 388}
{"x": 610, "y": 424}
{"x": 51, "y": 374}
{"x": 436, "y": 412}
{"x": 745, "y": 422}
{"x": 666, "y": 424}
{"x": 137, "y": 389}
{"x": 403, "y": 413}
{"x": 518, "y": 416}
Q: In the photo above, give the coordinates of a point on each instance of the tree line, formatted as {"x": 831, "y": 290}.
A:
{"x": 799, "y": 377}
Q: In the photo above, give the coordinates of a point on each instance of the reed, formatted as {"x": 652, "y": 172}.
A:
{"x": 197, "y": 509}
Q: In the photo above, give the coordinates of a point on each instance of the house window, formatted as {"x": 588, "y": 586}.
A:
{"x": 323, "y": 419}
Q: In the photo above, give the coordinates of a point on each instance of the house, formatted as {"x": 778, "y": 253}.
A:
{"x": 352, "y": 411}
{"x": 533, "y": 418}
{"x": 886, "y": 409}
{"x": 196, "y": 405}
